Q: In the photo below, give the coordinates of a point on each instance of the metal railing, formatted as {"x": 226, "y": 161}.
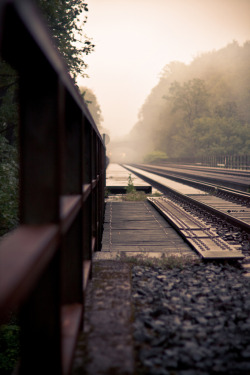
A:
{"x": 45, "y": 263}
{"x": 218, "y": 161}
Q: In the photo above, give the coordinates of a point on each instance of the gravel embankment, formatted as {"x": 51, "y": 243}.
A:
{"x": 191, "y": 321}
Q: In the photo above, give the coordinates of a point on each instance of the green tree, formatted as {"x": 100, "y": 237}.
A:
{"x": 191, "y": 99}
{"x": 155, "y": 156}
{"x": 65, "y": 18}
{"x": 66, "y": 22}
{"x": 93, "y": 106}
{"x": 207, "y": 107}
{"x": 8, "y": 103}
{"x": 221, "y": 136}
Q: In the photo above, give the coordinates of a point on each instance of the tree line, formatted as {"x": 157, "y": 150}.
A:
{"x": 199, "y": 109}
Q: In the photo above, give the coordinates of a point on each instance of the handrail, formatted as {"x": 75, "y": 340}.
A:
{"x": 46, "y": 261}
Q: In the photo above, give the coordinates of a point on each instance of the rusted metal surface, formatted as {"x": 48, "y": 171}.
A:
{"x": 46, "y": 261}
{"x": 237, "y": 211}
{"x": 198, "y": 234}
{"x": 27, "y": 248}
{"x": 72, "y": 316}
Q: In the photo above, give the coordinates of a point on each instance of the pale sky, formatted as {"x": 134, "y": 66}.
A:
{"x": 135, "y": 39}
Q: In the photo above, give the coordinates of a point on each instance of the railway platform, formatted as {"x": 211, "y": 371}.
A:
{"x": 131, "y": 230}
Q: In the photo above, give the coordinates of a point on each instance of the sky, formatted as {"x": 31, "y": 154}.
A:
{"x": 135, "y": 39}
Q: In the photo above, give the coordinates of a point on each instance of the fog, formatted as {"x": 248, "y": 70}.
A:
{"x": 135, "y": 39}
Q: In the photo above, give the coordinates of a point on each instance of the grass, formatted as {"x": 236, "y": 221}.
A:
{"x": 131, "y": 193}
{"x": 165, "y": 262}
{"x": 9, "y": 347}
{"x": 134, "y": 196}
{"x": 138, "y": 196}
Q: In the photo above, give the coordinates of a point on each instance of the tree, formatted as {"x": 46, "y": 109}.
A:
{"x": 8, "y": 149}
{"x": 65, "y": 21}
{"x": 207, "y": 108}
{"x": 191, "y": 98}
{"x": 93, "y": 105}
{"x": 8, "y": 186}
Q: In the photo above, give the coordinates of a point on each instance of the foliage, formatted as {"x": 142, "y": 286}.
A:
{"x": 155, "y": 156}
{"x": 9, "y": 348}
{"x": 130, "y": 187}
{"x": 93, "y": 106}
{"x": 165, "y": 262}
{"x": 199, "y": 109}
{"x": 135, "y": 196}
{"x": 66, "y": 22}
{"x": 8, "y": 186}
{"x": 8, "y": 104}
{"x": 8, "y": 149}
{"x": 191, "y": 99}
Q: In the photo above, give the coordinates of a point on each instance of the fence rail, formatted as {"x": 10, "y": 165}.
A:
{"x": 220, "y": 161}
{"x": 45, "y": 263}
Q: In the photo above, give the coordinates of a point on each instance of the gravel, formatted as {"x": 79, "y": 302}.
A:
{"x": 191, "y": 321}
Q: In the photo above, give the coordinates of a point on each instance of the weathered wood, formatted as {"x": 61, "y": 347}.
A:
{"x": 134, "y": 227}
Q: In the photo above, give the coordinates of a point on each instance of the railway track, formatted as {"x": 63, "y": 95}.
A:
{"x": 233, "y": 179}
{"x": 215, "y": 221}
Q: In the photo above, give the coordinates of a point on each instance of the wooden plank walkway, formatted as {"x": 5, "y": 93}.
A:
{"x": 136, "y": 228}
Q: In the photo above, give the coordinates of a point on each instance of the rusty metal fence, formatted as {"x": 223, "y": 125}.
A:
{"x": 220, "y": 161}
{"x": 45, "y": 263}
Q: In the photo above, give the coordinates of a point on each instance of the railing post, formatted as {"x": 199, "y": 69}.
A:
{"x": 72, "y": 156}
{"x": 87, "y": 186}
{"x": 61, "y": 183}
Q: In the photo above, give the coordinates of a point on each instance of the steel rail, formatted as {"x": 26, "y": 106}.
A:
{"x": 242, "y": 197}
{"x": 213, "y": 182}
{"x": 221, "y": 215}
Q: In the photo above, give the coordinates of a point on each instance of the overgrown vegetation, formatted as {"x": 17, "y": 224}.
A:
{"x": 198, "y": 109}
{"x": 94, "y": 107}
{"x": 165, "y": 261}
{"x": 130, "y": 188}
{"x": 135, "y": 196}
{"x": 155, "y": 156}
{"x": 9, "y": 348}
{"x": 8, "y": 149}
{"x": 65, "y": 21}
{"x": 8, "y": 187}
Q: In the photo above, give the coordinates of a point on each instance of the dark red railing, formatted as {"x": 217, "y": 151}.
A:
{"x": 45, "y": 263}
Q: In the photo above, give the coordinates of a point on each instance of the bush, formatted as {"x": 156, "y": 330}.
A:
{"x": 130, "y": 187}
{"x": 8, "y": 187}
{"x": 9, "y": 348}
{"x": 155, "y": 156}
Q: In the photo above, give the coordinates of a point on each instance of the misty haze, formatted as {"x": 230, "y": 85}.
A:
{"x": 170, "y": 80}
